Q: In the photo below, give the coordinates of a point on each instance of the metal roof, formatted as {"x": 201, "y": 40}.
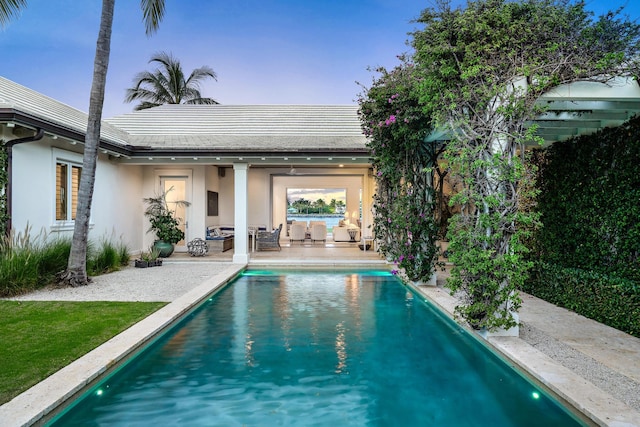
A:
{"x": 26, "y": 105}
{"x": 275, "y": 134}
{"x": 245, "y": 127}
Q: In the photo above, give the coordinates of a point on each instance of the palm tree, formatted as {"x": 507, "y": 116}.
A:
{"x": 167, "y": 85}
{"x": 153, "y": 12}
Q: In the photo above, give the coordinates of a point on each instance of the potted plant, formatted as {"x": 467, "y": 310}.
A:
{"x": 163, "y": 223}
{"x": 149, "y": 259}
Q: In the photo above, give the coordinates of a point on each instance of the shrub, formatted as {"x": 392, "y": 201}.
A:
{"x": 611, "y": 300}
{"x": 28, "y": 263}
{"x": 108, "y": 257}
{"x": 589, "y": 205}
{"x": 25, "y": 262}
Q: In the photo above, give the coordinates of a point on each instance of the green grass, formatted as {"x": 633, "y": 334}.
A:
{"x": 40, "y": 337}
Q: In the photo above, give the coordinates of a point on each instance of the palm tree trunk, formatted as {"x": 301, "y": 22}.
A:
{"x": 76, "y": 274}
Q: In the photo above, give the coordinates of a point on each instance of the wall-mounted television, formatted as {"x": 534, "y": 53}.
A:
{"x": 212, "y": 203}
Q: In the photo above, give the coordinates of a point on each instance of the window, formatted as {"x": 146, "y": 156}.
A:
{"x": 67, "y": 184}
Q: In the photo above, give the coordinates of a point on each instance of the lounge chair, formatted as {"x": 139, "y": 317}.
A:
{"x": 298, "y": 231}
{"x": 319, "y": 233}
{"x": 269, "y": 240}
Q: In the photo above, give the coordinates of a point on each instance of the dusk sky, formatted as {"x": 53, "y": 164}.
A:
{"x": 264, "y": 51}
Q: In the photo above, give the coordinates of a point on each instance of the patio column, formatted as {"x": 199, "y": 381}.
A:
{"x": 241, "y": 237}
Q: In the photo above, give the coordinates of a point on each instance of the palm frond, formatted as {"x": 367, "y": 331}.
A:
{"x": 152, "y": 12}
{"x": 167, "y": 85}
{"x": 202, "y": 101}
{"x": 9, "y": 9}
{"x": 145, "y": 105}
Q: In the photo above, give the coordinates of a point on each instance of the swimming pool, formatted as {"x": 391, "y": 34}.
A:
{"x": 316, "y": 349}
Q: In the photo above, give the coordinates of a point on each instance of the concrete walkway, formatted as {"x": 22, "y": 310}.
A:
{"x": 593, "y": 367}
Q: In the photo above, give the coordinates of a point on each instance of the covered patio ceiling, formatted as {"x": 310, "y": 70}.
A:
{"x": 582, "y": 108}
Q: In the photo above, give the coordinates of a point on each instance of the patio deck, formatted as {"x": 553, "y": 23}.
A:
{"x": 336, "y": 253}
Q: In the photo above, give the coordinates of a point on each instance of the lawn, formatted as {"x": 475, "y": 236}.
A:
{"x": 40, "y": 337}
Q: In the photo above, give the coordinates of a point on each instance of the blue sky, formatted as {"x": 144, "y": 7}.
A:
{"x": 264, "y": 51}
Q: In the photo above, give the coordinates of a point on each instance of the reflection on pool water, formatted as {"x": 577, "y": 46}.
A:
{"x": 316, "y": 349}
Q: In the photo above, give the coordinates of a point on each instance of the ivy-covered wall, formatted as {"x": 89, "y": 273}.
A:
{"x": 590, "y": 203}
{"x": 587, "y": 252}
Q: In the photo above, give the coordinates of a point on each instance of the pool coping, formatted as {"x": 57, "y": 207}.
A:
{"x": 593, "y": 403}
{"x": 42, "y": 400}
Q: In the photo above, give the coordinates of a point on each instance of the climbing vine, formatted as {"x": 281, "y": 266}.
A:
{"x": 404, "y": 202}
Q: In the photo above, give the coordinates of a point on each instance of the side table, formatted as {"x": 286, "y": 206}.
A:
{"x": 367, "y": 242}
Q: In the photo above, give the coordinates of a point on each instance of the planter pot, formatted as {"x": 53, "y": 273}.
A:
{"x": 165, "y": 249}
{"x": 141, "y": 264}
{"x": 444, "y": 248}
{"x": 432, "y": 281}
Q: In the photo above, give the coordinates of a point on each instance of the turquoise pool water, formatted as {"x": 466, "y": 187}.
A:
{"x": 316, "y": 349}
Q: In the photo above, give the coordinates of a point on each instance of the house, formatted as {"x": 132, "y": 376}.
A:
{"x": 243, "y": 154}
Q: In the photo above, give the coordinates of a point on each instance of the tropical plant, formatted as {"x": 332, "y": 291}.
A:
{"x": 153, "y": 11}
{"x": 482, "y": 70}
{"x": 151, "y": 255}
{"x": 162, "y": 219}
{"x": 106, "y": 257}
{"x": 167, "y": 84}
{"x": 590, "y": 205}
{"x": 8, "y": 9}
{"x": 404, "y": 203}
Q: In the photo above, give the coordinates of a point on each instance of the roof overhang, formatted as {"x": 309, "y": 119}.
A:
{"x": 12, "y": 117}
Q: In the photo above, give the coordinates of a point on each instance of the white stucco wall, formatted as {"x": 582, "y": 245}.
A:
{"x": 117, "y": 209}
{"x": 118, "y": 201}
{"x": 259, "y": 199}
{"x": 116, "y": 197}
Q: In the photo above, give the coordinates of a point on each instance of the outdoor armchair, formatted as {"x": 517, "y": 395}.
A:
{"x": 267, "y": 240}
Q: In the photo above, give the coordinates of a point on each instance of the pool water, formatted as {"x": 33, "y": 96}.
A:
{"x": 316, "y": 349}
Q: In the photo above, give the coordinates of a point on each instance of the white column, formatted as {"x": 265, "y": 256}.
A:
{"x": 241, "y": 238}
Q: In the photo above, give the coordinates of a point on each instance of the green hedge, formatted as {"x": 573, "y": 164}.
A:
{"x": 587, "y": 254}
{"x": 590, "y": 202}
{"x": 610, "y": 300}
